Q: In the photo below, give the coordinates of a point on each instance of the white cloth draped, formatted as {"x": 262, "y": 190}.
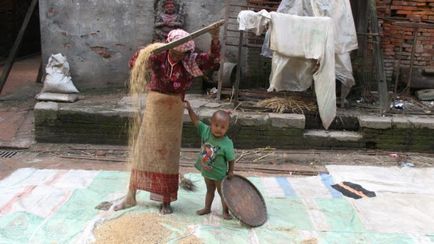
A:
{"x": 294, "y": 38}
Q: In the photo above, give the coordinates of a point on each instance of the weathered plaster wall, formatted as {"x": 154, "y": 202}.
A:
{"x": 99, "y": 36}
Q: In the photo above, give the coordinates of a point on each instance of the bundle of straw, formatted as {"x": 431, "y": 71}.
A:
{"x": 140, "y": 75}
{"x": 288, "y": 104}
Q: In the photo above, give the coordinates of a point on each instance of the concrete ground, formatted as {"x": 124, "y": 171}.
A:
{"x": 16, "y": 103}
{"x": 49, "y": 192}
{"x": 258, "y": 162}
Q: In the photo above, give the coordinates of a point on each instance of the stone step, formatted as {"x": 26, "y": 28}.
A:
{"x": 342, "y": 136}
{"x": 425, "y": 95}
{"x": 106, "y": 122}
{"x": 323, "y": 139}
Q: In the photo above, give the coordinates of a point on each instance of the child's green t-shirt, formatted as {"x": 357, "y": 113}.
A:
{"x": 214, "y": 154}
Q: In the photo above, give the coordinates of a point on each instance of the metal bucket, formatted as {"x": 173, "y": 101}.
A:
{"x": 229, "y": 74}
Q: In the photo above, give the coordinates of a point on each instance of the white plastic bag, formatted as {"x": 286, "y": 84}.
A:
{"x": 58, "y": 79}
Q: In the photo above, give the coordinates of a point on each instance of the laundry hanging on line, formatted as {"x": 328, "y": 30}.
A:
{"x": 299, "y": 37}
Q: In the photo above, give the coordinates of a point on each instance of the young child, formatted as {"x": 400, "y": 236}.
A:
{"x": 217, "y": 156}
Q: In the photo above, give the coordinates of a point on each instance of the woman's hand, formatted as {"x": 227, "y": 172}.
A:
{"x": 187, "y": 105}
{"x": 215, "y": 33}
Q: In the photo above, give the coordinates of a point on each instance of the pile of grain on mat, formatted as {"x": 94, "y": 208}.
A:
{"x": 133, "y": 228}
{"x": 191, "y": 239}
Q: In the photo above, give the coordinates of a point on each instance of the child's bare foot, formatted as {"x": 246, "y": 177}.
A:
{"x": 166, "y": 209}
{"x": 203, "y": 211}
{"x": 227, "y": 216}
{"x": 127, "y": 203}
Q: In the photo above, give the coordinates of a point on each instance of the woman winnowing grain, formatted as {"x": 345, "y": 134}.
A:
{"x": 155, "y": 153}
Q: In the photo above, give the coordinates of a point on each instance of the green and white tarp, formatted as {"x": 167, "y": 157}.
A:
{"x": 57, "y": 206}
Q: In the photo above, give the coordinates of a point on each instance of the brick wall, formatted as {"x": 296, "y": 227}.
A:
{"x": 398, "y": 31}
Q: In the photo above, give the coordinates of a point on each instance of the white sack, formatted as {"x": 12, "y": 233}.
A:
{"x": 58, "y": 79}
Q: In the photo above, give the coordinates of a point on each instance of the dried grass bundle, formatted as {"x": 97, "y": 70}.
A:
{"x": 140, "y": 74}
{"x": 139, "y": 77}
{"x": 288, "y": 104}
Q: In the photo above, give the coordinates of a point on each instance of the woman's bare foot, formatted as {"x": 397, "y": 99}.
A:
{"x": 227, "y": 216}
{"x": 166, "y": 208}
{"x": 203, "y": 211}
{"x": 127, "y": 203}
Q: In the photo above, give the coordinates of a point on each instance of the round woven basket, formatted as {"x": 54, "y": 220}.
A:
{"x": 244, "y": 201}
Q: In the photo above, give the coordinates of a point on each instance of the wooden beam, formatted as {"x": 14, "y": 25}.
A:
{"x": 12, "y": 55}
{"x": 189, "y": 37}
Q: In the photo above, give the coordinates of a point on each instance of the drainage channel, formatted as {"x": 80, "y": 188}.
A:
{"x": 7, "y": 154}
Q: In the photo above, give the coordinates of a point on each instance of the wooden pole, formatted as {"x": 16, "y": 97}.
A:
{"x": 11, "y": 58}
{"x": 237, "y": 82}
{"x": 223, "y": 53}
{"x": 40, "y": 73}
{"x": 413, "y": 50}
{"x": 379, "y": 60}
{"x": 189, "y": 37}
{"x": 362, "y": 24}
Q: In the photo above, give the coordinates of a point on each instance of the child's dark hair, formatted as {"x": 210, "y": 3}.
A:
{"x": 222, "y": 114}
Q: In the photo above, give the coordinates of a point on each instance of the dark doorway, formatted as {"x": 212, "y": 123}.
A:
{"x": 12, "y": 13}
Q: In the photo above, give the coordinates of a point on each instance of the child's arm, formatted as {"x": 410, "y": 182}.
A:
{"x": 231, "y": 168}
{"x": 193, "y": 115}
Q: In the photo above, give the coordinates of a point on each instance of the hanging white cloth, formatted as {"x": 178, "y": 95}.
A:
{"x": 296, "y": 41}
{"x": 344, "y": 69}
{"x": 343, "y": 22}
{"x": 310, "y": 38}
{"x": 345, "y": 33}
{"x": 253, "y": 21}
{"x": 283, "y": 77}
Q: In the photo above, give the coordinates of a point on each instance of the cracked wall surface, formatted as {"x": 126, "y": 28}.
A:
{"x": 98, "y": 36}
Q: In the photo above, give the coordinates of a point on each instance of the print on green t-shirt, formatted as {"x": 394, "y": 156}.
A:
{"x": 214, "y": 154}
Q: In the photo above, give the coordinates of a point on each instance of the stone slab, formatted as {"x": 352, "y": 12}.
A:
{"x": 130, "y": 100}
{"x": 401, "y": 122}
{"x": 252, "y": 119}
{"x": 9, "y": 124}
{"x": 16, "y": 130}
{"x": 425, "y": 95}
{"x": 375, "y": 122}
{"x": 420, "y": 123}
{"x": 205, "y": 114}
{"x": 343, "y": 136}
{"x": 58, "y": 97}
{"x": 287, "y": 120}
{"x": 105, "y": 121}
{"x": 47, "y": 106}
